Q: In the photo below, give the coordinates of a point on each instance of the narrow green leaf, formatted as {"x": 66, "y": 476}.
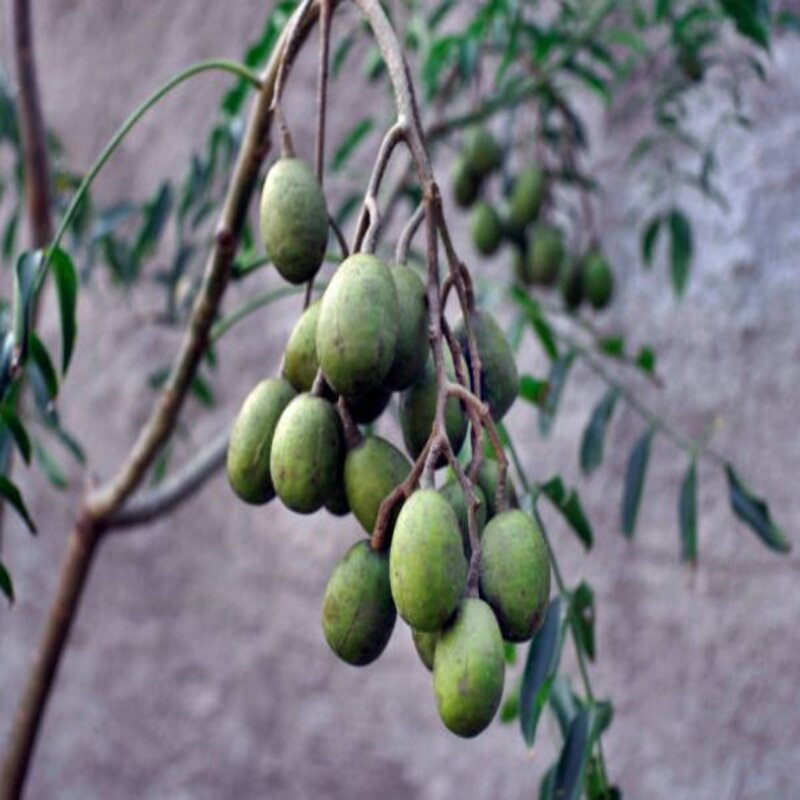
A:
{"x": 650, "y": 239}
{"x": 540, "y": 326}
{"x": 10, "y": 492}
{"x": 754, "y": 511}
{"x": 571, "y": 767}
{"x": 646, "y": 360}
{"x": 10, "y": 236}
{"x": 563, "y": 703}
{"x": 66, "y": 282}
{"x": 583, "y": 615}
{"x": 541, "y": 666}
{"x": 568, "y": 504}
{"x": 687, "y": 514}
{"x": 751, "y": 18}
{"x": 634, "y": 482}
{"x": 509, "y": 711}
{"x": 348, "y": 146}
{"x": 24, "y": 285}
{"x": 50, "y": 468}
{"x": 154, "y": 216}
{"x": 612, "y": 346}
{"x": 202, "y": 392}
{"x": 41, "y": 358}
{"x": 557, "y": 379}
{"x": 595, "y": 432}
{"x": 533, "y": 390}
{"x": 9, "y": 418}
{"x": 681, "y": 248}
{"x": 6, "y": 585}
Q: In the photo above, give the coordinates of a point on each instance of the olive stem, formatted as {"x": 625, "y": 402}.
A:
{"x": 352, "y": 436}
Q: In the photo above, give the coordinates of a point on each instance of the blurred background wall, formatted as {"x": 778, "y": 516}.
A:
{"x": 197, "y": 668}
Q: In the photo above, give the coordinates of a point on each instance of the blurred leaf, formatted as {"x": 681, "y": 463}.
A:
{"x": 687, "y": 513}
{"x": 9, "y": 418}
{"x": 10, "y": 493}
{"x": 509, "y": 711}
{"x": 537, "y": 321}
{"x": 10, "y": 235}
{"x": 155, "y": 214}
{"x": 563, "y": 703}
{"x": 351, "y": 141}
{"x": 6, "y": 585}
{"x": 341, "y": 52}
{"x": 595, "y": 432}
{"x": 49, "y": 466}
{"x": 646, "y": 360}
{"x": 583, "y": 614}
{"x": 41, "y": 358}
{"x": 634, "y": 482}
{"x": 650, "y": 239}
{"x": 24, "y": 285}
{"x": 681, "y": 248}
{"x": 754, "y": 511}
{"x": 557, "y": 379}
{"x": 66, "y": 283}
{"x": 533, "y": 390}
{"x": 751, "y": 18}
{"x": 541, "y": 666}
{"x": 202, "y": 392}
{"x": 612, "y": 346}
{"x": 568, "y": 504}
{"x": 510, "y": 652}
{"x": 571, "y": 767}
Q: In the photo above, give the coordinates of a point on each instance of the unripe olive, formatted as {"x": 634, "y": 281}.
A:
{"x": 418, "y": 408}
{"x": 466, "y": 186}
{"x": 294, "y": 220}
{"x": 454, "y": 494}
{"x": 526, "y": 197}
{"x": 336, "y": 501}
{"x": 372, "y": 470}
{"x": 488, "y": 475}
{"x": 469, "y": 669}
{"x": 499, "y": 376}
{"x": 481, "y": 152}
{"x": 487, "y": 228}
{"x": 358, "y": 612}
{"x": 307, "y": 453}
{"x": 425, "y": 645}
{"x": 412, "y": 347}
{"x": 545, "y": 256}
{"x": 427, "y": 567}
{"x": 515, "y": 574}
{"x": 571, "y": 283}
{"x": 300, "y": 362}
{"x": 358, "y": 326}
{"x": 251, "y": 440}
{"x": 598, "y": 280}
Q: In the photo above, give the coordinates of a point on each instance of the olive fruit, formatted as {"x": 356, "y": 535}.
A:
{"x": 598, "y": 280}
{"x": 412, "y": 347}
{"x": 367, "y": 407}
{"x": 572, "y": 284}
{"x": 358, "y": 326}
{"x": 527, "y": 194}
{"x": 465, "y": 185}
{"x": 515, "y": 574}
{"x": 499, "y": 377}
{"x": 372, "y": 469}
{"x": 481, "y": 152}
{"x": 425, "y": 645}
{"x": 300, "y": 363}
{"x": 358, "y": 612}
{"x": 251, "y": 440}
{"x": 418, "y": 408}
{"x": 487, "y": 229}
{"x": 427, "y": 567}
{"x": 336, "y": 502}
{"x": 454, "y": 494}
{"x": 469, "y": 669}
{"x": 307, "y": 453}
{"x": 294, "y": 220}
{"x": 545, "y": 256}
{"x": 488, "y": 474}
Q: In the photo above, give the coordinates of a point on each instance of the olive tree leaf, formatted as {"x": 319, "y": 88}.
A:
{"x": 583, "y": 616}
{"x": 351, "y": 141}
{"x": 24, "y": 291}
{"x": 754, "y": 511}
{"x": 568, "y": 504}
{"x": 6, "y": 585}
{"x": 571, "y": 767}
{"x": 650, "y": 239}
{"x": 66, "y": 282}
{"x": 9, "y": 419}
{"x": 681, "y": 249}
{"x": 533, "y": 390}
{"x": 595, "y": 433}
{"x": 556, "y": 380}
{"x": 687, "y": 514}
{"x": 10, "y": 493}
{"x": 541, "y": 327}
{"x": 541, "y": 666}
{"x": 40, "y": 358}
{"x": 634, "y": 482}
{"x": 49, "y": 466}
{"x": 751, "y": 18}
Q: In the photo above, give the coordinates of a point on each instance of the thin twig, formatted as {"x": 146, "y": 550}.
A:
{"x": 407, "y": 234}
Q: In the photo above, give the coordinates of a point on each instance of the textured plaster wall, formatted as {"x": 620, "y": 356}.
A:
{"x": 197, "y": 668}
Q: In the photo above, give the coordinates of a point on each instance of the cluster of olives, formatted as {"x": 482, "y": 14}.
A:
{"x": 540, "y": 252}
{"x": 365, "y": 339}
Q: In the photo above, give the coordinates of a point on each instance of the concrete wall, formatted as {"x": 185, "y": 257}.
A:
{"x": 197, "y": 668}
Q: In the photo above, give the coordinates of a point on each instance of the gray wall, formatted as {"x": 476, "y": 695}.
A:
{"x": 197, "y": 668}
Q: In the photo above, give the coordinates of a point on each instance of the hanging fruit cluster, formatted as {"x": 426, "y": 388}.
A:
{"x": 453, "y": 556}
{"x": 540, "y": 254}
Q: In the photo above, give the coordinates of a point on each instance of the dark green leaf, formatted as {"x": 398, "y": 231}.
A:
{"x": 510, "y": 652}
{"x": 753, "y": 511}
{"x": 568, "y": 783}
{"x": 49, "y": 466}
{"x": 569, "y": 506}
{"x": 582, "y": 608}
{"x": 9, "y": 418}
{"x": 6, "y": 586}
{"x": 613, "y": 346}
{"x": 547, "y": 786}
{"x": 510, "y": 708}
{"x": 634, "y": 482}
{"x": 340, "y": 54}
{"x": 557, "y": 379}
{"x": 563, "y": 703}
{"x": 9, "y": 492}
{"x": 537, "y": 321}
{"x": 541, "y": 666}
{"x": 681, "y": 249}
{"x": 155, "y": 214}
{"x": 649, "y": 239}
{"x": 646, "y": 360}
{"x": 10, "y": 236}
{"x": 202, "y": 392}
{"x": 66, "y": 283}
{"x": 751, "y": 18}
{"x": 595, "y": 433}
{"x": 533, "y": 390}
{"x": 24, "y": 286}
{"x": 41, "y": 358}
{"x": 687, "y": 513}
{"x": 353, "y": 139}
